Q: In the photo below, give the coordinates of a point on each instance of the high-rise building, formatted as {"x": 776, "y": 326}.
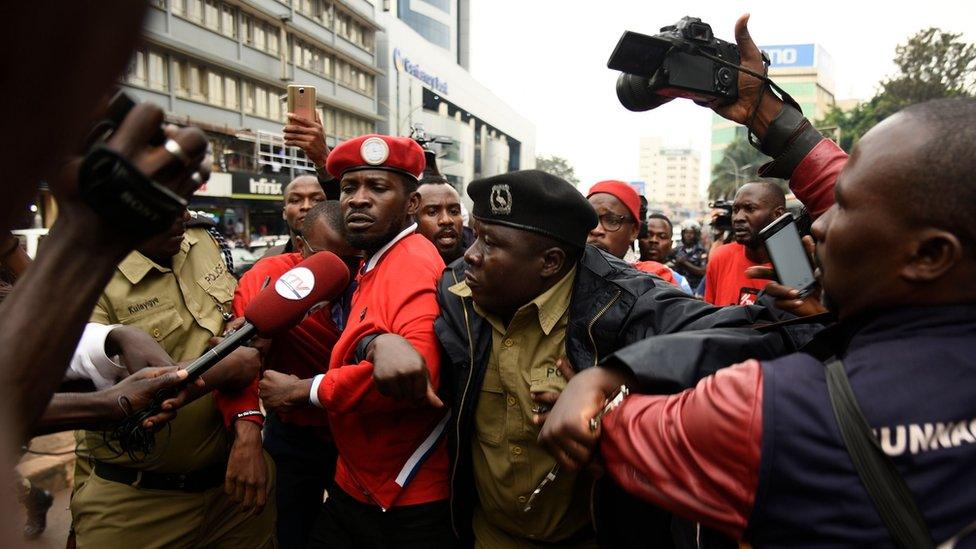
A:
{"x": 423, "y": 52}
{"x": 805, "y": 71}
{"x": 224, "y": 65}
{"x": 670, "y": 175}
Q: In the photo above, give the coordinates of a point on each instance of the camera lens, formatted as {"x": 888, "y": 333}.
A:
{"x": 724, "y": 76}
{"x": 301, "y": 90}
{"x": 635, "y": 93}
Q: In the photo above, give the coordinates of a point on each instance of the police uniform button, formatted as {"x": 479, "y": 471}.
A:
{"x": 156, "y": 333}
{"x": 522, "y": 499}
{"x": 509, "y": 342}
{"x": 511, "y": 400}
{"x": 517, "y": 450}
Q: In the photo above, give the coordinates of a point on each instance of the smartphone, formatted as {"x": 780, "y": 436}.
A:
{"x": 301, "y": 101}
{"x": 782, "y": 241}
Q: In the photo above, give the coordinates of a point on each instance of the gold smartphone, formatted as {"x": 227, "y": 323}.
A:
{"x": 301, "y": 101}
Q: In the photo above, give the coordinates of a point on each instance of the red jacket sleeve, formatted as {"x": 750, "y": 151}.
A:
{"x": 814, "y": 177}
{"x": 230, "y": 404}
{"x": 351, "y": 388}
{"x": 696, "y": 453}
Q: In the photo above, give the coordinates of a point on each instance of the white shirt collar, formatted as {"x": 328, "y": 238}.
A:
{"x": 375, "y": 258}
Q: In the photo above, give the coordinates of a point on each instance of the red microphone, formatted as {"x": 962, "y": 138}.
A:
{"x": 282, "y": 305}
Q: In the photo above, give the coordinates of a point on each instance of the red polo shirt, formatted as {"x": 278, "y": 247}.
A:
{"x": 725, "y": 277}
{"x": 382, "y": 440}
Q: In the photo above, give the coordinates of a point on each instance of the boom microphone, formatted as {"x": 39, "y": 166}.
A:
{"x": 280, "y": 307}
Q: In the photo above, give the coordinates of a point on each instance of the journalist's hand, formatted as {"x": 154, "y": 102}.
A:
{"x": 236, "y": 371}
{"x": 132, "y": 140}
{"x": 787, "y": 298}
{"x": 138, "y": 391}
{"x": 749, "y": 86}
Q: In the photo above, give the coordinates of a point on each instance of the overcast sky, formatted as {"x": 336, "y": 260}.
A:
{"x": 547, "y": 59}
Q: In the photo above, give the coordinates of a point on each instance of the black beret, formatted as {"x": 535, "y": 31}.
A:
{"x": 533, "y": 200}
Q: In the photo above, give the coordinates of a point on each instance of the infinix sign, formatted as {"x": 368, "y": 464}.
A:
{"x": 403, "y": 64}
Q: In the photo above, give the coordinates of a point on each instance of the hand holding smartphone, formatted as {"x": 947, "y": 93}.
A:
{"x": 782, "y": 241}
{"x": 301, "y": 101}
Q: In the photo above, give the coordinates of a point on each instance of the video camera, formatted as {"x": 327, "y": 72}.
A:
{"x": 722, "y": 221}
{"x": 684, "y": 60}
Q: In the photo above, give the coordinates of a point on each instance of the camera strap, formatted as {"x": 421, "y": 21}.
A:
{"x": 886, "y": 487}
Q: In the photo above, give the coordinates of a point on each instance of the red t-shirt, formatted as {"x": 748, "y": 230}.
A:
{"x": 379, "y": 436}
{"x": 303, "y": 351}
{"x": 725, "y": 277}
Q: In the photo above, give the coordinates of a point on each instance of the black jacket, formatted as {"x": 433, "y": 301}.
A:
{"x": 612, "y": 305}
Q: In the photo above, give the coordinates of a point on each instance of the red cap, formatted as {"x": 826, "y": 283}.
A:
{"x": 623, "y": 192}
{"x": 377, "y": 152}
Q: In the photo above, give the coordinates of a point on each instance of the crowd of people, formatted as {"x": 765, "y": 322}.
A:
{"x": 550, "y": 370}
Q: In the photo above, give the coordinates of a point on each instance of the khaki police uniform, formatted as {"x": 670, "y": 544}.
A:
{"x": 508, "y": 460}
{"x": 181, "y": 307}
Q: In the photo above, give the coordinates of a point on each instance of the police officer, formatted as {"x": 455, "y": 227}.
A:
{"x": 177, "y": 289}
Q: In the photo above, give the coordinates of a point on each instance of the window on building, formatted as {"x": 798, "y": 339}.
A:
{"x": 260, "y": 101}
{"x": 259, "y": 34}
{"x": 354, "y": 31}
{"x": 211, "y": 15}
{"x": 158, "y": 71}
{"x": 230, "y": 92}
{"x": 227, "y": 26}
{"x": 432, "y": 30}
{"x": 215, "y": 89}
{"x": 319, "y": 11}
{"x": 136, "y": 73}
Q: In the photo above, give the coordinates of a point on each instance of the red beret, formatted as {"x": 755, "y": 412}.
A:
{"x": 377, "y": 152}
{"x": 623, "y": 192}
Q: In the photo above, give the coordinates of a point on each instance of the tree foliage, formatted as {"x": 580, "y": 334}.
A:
{"x": 739, "y": 165}
{"x": 558, "y": 166}
{"x": 932, "y": 64}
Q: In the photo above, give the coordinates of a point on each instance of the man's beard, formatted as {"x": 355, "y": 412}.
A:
{"x": 372, "y": 243}
{"x": 452, "y": 255}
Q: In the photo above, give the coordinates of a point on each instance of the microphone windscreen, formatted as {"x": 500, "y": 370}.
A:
{"x": 282, "y": 305}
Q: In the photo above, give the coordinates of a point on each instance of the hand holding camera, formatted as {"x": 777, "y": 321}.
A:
{"x": 135, "y": 179}
{"x": 686, "y": 60}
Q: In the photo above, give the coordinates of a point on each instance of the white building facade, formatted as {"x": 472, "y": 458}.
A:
{"x": 423, "y": 53}
{"x": 671, "y": 175}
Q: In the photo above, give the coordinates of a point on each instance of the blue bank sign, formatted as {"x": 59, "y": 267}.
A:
{"x": 791, "y": 56}
{"x": 403, "y": 64}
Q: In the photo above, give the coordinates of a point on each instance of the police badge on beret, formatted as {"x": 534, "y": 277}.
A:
{"x": 501, "y": 199}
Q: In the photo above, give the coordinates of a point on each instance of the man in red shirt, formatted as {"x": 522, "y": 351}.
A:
{"x": 756, "y": 205}
{"x": 299, "y": 441}
{"x": 391, "y": 487}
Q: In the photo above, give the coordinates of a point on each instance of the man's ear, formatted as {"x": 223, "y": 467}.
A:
{"x": 413, "y": 204}
{"x": 553, "y": 260}
{"x": 935, "y": 253}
